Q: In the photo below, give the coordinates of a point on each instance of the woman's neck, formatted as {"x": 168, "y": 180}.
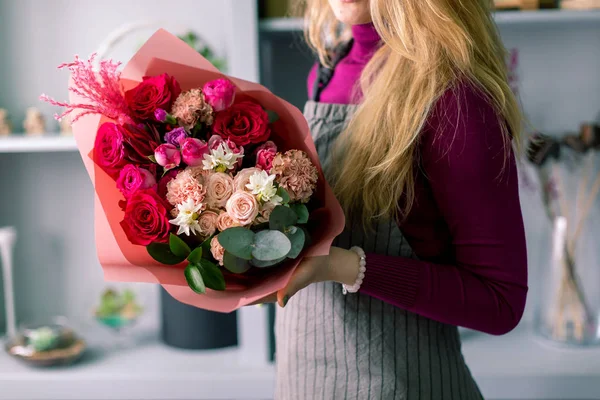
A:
{"x": 366, "y": 41}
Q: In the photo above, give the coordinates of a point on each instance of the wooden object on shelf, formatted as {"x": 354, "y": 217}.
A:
{"x": 65, "y": 127}
{"x": 5, "y": 126}
{"x": 280, "y": 8}
{"x": 524, "y": 4}
{"x": 34, "y": 123}
{"x": 580, "y": 4}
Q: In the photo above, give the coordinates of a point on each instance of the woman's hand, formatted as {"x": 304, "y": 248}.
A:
{"x": 339, "y": 266}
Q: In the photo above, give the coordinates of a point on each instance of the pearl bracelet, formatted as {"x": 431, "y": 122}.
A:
{"x": 361, "y": 272}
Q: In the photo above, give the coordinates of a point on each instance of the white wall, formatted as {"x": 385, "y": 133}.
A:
{"x": 49, "y": 196}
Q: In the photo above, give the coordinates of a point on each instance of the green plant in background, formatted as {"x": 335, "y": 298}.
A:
{"x": 193, "y": 40}
{"x": 118, "y": 306}
{"x": 43, "y": 339}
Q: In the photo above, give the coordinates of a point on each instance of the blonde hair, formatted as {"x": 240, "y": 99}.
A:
{"x": 428, "y": 46}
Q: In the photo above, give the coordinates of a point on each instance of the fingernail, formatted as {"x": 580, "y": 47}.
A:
{"x": 285, "y": 299}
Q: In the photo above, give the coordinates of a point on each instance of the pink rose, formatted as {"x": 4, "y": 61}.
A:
{"x": 167, "y": 156}
{"x": 207, "y": 222}
{"x": 265, "y": 155}
{"x": 225, "y": 221}
{"x": 219, "y": 188}
{"x": 242, "y": 207}
{"x": 146, "y": 220}
{"x": 217, "y": 250}
{"x": 219, "y": 93}
{"x": 109, "y": 148}
{"x": 242, "y": 178}
{"x": 193, "y": 151}
{"x": 133, "y": 178}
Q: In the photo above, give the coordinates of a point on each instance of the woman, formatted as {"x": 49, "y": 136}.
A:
{"x": 413, "y": 122}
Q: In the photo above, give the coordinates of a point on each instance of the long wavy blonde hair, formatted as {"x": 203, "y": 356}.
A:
{"x": 428, "y": 46}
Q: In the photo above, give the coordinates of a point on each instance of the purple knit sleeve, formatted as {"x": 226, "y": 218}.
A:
{"x": 475, "y": 187}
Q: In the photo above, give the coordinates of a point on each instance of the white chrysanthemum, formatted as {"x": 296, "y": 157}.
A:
{"x": 187, "y": 218}
{"x": 261, "y": 185}
{"x": 221, "y": 159}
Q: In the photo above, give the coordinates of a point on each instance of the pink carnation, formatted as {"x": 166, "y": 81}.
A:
{"x": 217, "y": 250}
{"x": 185, "y": 186}
{"x": 296, "y": 174}
{"x": 190, "y": 108}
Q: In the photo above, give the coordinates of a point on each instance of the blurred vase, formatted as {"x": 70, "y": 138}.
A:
{"x": 187, "y": 327}
{"x": 568, "y": 310}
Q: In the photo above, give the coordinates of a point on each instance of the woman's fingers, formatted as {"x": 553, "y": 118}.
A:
{"x": 272, "y": 298}
{"x": 302, "y": 277}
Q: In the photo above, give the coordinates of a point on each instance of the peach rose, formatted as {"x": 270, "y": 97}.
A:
{"x": 243, "y": 178}
{"x": 219, "y": 188}
{"x": 208, "y": 223}
{"x": 265, "y": 212}
{"x": 217, "y": 250}
{"x": 242, "y": 207}
{"x": 225, "y": 221}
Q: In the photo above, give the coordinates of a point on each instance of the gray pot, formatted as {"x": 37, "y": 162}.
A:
{"x": 187, "y": 327}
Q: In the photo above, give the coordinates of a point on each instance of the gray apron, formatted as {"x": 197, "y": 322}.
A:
{"x": 332, "y": 346}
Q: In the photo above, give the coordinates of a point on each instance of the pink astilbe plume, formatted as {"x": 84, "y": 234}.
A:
{"x": 102, "y": 89}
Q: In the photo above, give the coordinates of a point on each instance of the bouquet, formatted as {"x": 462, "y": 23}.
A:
{"x": 206, "y": 184}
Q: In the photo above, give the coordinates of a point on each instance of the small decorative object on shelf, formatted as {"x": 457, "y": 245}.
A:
{"x": 580, "y": 4}
{"x": 117, "y": 310}
{"x": 524, "y": 4}
{"x": 34, "y": 123}
{"x": 569, "y": 181}
{"x": 45, "y": 345}
{"x": 5, "y": 125}
{"x": 65, "y": 126}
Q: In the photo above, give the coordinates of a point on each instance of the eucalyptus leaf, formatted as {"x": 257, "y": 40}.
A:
{"x": 266, "y": 264}
{"x": 178, "y": 246}
{"x": 281, "y": 192}
{"x": 196, "y": 255}
{"x": 162, "y": 253}
{"x": 271, "y": 245}
{"x": 235, "y": 264}
{"x": 301, "y": 211}
{"x": 212, "y": 275}
{"x": 238, "y": 241}
{"x": 282, "y": 217}
{"x": 194, "y": 279}
{"x": 296, "y": 237}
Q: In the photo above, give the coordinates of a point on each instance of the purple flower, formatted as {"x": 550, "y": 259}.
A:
{"x": 176, "y": 136}
{"x": 160, "y": 115}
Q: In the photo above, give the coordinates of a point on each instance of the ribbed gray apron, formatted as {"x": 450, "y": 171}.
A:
{"x": 331, "y": 346}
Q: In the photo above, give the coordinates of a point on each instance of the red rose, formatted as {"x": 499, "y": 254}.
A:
{"x": 109, "y": 148}
{"x": 146, "y": 220}
{"x": 243, "y": 123}
{"x": 152, "y": 93}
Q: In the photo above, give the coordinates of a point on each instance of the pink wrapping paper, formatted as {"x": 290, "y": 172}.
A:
{"x": 126, "y": 262}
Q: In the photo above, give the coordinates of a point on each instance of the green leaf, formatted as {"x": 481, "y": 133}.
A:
{"x": 273, "y": 116}
{"x": 194, "y": 279}
{"x": 265, "y": 264}
{"x": 196, "y": 255}
{"x": 296, "y": 237}
{"x": 238, "y": 241}
{"x": 235, "y": 264}
{"x": 282, "y": 217}
{"x": 206, "y": 253}
{"x": 212, "y": 275}
{"x": 178, "y": 246}
{"x": 271, "y": 245}
{"x": 152, "y": 158}
{"x": 162, "y": 253}
{"x": 301, "y": 211}
{"x": 281, "y": 192}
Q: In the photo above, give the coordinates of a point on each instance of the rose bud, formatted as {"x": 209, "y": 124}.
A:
{"x": 219, "y": 93}
{"x": 193, "y": 151}
{"x": 167, "y": 156}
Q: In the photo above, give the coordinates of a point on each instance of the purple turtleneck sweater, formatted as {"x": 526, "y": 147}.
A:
{"x": 466, "y": 225}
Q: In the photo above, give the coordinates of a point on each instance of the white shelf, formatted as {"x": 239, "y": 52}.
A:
{"x": 502, "y": 18}
{"x": 47, "y": 143}
{"x": 514, "y": 366}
